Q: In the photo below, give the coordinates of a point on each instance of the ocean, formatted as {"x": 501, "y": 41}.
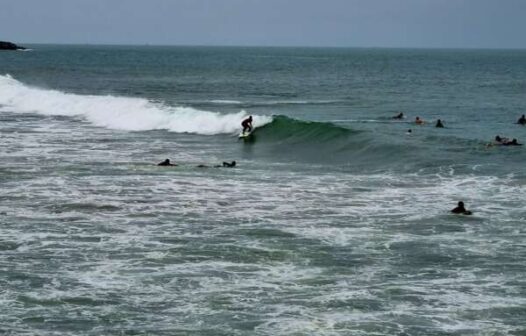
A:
{"x": 334, "y": 221}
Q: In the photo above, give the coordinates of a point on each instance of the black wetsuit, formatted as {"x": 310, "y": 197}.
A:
{"x": 459, "y": 210}
{"x": 247, "y": 125}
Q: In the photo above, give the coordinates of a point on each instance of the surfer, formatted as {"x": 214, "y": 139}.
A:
{"x": 166, "y": 163}
{"x": 512, "y": 143}
{"x": 419, "y": 121}
{"x": 460, "y": 209}
{"x": 229, "y": 164}
{"x": 506, "y": 142}
{"x": 439, "y": 124}
{"x": 522, "y": 120}
{"x": 224, "y": 164}
{"x": 501, "y": 141}
{"x": 399, "y": 116}
{"x": 247, "y": 124}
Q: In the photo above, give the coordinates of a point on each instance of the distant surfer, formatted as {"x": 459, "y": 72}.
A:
{"x": 166, "y": 163}
{"x": 409, "y": 132}
{"x": 497, "y": 142}
{"x": 247, "y": 124}
{"x": 399, "y": 116}
{"x": 512, "y": 143}
{"x": 500, "y": 141}
{"x": 506, "y": 142}
{"x": 439, "y": 124}
{"x": 460, "y": 209}
{"x": 419, "y": 121}
{"x": 228, "y": 164}
{"x": 224, "y": 164}
{"x": 522, "y": 120}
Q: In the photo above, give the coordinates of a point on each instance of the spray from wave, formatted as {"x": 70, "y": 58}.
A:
{"x": 124, "y": 113}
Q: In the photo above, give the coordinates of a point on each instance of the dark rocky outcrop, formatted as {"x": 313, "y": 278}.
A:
{"x": 10, "y": 46}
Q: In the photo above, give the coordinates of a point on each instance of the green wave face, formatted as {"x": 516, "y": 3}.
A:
{"x": 291, "y": 130}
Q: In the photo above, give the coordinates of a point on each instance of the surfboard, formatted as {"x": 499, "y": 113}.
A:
{"x": 245, "y": 134}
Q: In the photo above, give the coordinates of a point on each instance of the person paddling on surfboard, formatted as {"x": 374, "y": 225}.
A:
{"x": 399, "y": 116}
{"x": 247, "y": 125}
{"x": 166, "y": 162}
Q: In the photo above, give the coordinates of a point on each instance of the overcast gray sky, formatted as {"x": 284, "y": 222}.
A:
{"x": 353, "y": 23}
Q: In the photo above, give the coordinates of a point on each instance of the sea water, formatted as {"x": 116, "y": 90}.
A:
{"x": 335, "y": 221}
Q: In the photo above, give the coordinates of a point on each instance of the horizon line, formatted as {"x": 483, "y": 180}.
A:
{"x": 265, "y": 46}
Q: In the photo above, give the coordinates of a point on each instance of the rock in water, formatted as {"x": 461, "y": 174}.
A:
{"x": 10, "y": 46}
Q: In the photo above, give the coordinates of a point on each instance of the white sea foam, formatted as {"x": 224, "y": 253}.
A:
{"x": 229, "y": 102}
{"x": 124, "y": 113}
{"x": 267, "y": 102}
{"x": 297, "y": 102}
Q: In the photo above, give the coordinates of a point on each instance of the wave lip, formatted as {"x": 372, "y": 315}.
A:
{"x": 124, "y": 113}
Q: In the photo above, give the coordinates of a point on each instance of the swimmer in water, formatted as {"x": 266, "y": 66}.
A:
{"x": 522, "y": 120}
{"x": 439, "y": 124}
{"x": 461, "y": 210}
{"x": 419, "y": 121}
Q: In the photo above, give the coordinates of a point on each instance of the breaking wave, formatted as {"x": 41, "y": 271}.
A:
{"x": 124, "y": 113}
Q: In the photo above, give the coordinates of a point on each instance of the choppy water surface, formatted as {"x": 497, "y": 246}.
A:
{"x": 334, "y": 222}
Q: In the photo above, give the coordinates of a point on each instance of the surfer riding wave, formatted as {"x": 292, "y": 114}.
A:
{"x": 247, "y": 125}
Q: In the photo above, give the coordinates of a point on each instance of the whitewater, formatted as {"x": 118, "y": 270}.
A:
{"x": 123, "y": 113}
